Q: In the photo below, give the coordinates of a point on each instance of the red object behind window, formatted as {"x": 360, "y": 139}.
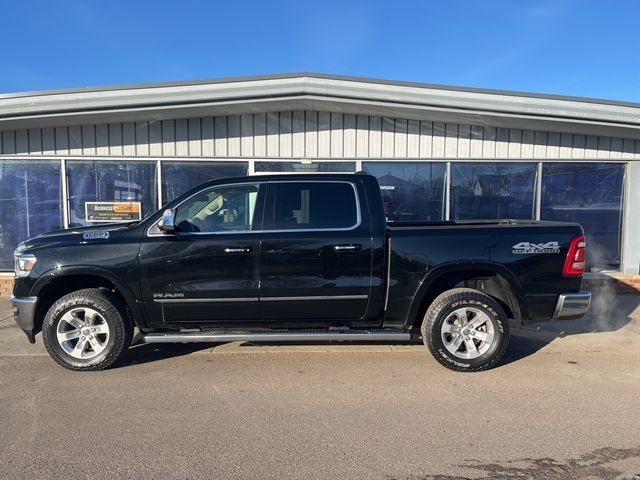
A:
{"x": 574, "y": 265}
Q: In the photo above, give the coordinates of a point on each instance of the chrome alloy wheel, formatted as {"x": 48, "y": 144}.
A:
{"x": 83, "y": 333}
{"x": 467, "y": 333}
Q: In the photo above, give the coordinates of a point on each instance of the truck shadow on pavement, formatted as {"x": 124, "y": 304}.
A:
{"x": 608, "y": 313}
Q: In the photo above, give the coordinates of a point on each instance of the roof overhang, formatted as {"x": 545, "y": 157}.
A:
{"x": 324, "y": 93}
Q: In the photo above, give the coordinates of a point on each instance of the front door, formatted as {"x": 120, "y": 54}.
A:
{"x": 315, "y": 260}
{"x": 207, "y": 271}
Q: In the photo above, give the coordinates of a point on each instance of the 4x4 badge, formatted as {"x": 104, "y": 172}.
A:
{"x": 526, "y": 247}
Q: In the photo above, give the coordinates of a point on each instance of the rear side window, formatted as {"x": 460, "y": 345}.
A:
{"x": 314, "y": 205}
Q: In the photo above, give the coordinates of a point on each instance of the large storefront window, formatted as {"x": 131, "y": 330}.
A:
{"x": 411, "y": 192}
{"x": 492, "y": 190}
{"x": 179, "y": 177}
{"x": 30, "y": 203}
{"x": 299, "y": 167}
{"x": 591, "y": 195}
{"x": 110, "y": 181}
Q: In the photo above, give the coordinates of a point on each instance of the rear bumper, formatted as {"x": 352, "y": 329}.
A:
{"x": 24, "y": 313}
{"x": 572, "y": 305}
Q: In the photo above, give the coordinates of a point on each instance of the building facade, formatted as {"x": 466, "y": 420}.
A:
{"x": 440, "y": 153}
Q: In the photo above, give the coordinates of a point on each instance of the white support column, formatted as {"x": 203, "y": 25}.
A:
{"x": 630, "y": 262}
{"x": 447, "y": 192}
{"x": 538, "y": 193}
{"x": 65, "y": 194}
{"x": 159, "y": 182}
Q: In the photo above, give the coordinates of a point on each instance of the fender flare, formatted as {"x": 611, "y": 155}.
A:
{"x": 515, "y": 291}
{"x": 129, "y": 297}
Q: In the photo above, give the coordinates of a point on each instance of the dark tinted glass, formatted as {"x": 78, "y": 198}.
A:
{"x": 298, "y": 167}
{"x": 591, "y": 195}
{"x": 492, "y": 190}
{"x": 411, "y": 192}
{"x": 314, "y": 205}
{"x": 30, "y": 203}
{"x": 108, "y": 181}
{"x": 179, "y": 177}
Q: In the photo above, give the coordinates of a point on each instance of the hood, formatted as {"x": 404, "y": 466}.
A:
{"x": 76, "y": 235}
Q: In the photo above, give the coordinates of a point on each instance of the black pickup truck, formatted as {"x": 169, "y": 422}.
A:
{"x": 300, "y": 258}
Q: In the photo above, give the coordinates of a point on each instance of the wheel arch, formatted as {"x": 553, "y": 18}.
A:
{"x": 59, "y": 282}
{"x": 492, "y": 278}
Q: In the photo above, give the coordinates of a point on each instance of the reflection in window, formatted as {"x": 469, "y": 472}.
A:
{"x": 411, "y": 192}
{"x": 314, "y": 206}
{"x": 179, "y": 177}
{"x": 109, "y": 181}
{"x": 219, "y": 209}
{"x": 589, "y": 194}
{"x": 492, "y": 190}
{"x": 29, "y": 203}
{"x": 298, "y": 167}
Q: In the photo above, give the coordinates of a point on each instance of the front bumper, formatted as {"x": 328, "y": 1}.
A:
{"x": 24, "y": 313}
{"x": 572, "y": 305}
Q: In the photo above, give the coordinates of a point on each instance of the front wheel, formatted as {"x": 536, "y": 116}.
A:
{"x": 87, "y": 329}
{"x": 465, "y": 330}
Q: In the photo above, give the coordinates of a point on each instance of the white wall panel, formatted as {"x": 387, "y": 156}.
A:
{"x": 324, "y": 134}
{"x": 400, "y": 139}
{"x": 375, "y": 137}
{"x": 311, "y": 134}
{"x": 35, "y": 140}
{"x": 273, "y": 135}
{"x": 349, "y": 138}
{"x": 142, "y": 138}
{"x": 128, "y": 139}
{"x": 22, "y": 141}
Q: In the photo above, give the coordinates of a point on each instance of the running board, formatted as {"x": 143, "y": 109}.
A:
{"x": 281, "y": 336}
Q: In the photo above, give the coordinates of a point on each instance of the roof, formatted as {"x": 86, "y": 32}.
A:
{"x": 312, "y": 91}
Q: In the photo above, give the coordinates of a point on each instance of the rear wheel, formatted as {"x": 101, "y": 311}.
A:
{"x": 87, "y": 330}
{"x": 466, "y": 330}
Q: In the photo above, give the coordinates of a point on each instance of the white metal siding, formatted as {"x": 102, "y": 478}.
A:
{"x": 311, "y": 134}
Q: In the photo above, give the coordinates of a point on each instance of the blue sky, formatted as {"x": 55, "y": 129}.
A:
{"x": 573, "y": 47}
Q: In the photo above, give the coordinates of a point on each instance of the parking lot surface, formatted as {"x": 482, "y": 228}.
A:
{"x": 563, "y": 403}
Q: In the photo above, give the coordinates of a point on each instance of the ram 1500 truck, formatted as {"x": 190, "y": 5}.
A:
{"x": 306, "y": 257}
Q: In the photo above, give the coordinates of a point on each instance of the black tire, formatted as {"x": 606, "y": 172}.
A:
{"x": 442, "y": 310}
{"x": 113, "y": 312}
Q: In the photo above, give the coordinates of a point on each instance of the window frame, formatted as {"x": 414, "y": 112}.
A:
{"x": 154, "y": 230}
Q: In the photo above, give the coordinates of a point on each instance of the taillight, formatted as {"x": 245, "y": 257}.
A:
{"x": 574, "y": 265}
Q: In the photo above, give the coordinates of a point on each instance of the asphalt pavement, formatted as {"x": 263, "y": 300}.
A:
{"x": 564, "y": 403}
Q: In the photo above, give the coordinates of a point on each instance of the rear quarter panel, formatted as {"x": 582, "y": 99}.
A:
{"x": 419, "y": 255}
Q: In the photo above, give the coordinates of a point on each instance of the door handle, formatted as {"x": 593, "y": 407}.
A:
{"x": 351, "y": 247}
{"x": 238, "y": 250}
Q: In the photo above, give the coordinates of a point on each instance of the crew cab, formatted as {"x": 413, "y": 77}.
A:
{"x": 303, "y": 257}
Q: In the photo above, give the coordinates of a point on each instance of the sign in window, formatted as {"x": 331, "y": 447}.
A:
{"x": 102, "y": 212}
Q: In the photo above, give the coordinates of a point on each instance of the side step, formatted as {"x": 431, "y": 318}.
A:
{"x": 277, "y": 336}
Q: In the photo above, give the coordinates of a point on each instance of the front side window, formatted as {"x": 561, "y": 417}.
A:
{"x": 226, "y": 208}
{"x": 309, "y": 205}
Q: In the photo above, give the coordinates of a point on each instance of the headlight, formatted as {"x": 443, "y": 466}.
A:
{"x": 24, "y": 264}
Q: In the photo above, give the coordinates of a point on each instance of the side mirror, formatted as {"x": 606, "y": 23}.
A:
{"x": 167, "y": 223}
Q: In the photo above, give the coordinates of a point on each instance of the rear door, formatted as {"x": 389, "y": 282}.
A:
{"x": 315, "y": 260}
